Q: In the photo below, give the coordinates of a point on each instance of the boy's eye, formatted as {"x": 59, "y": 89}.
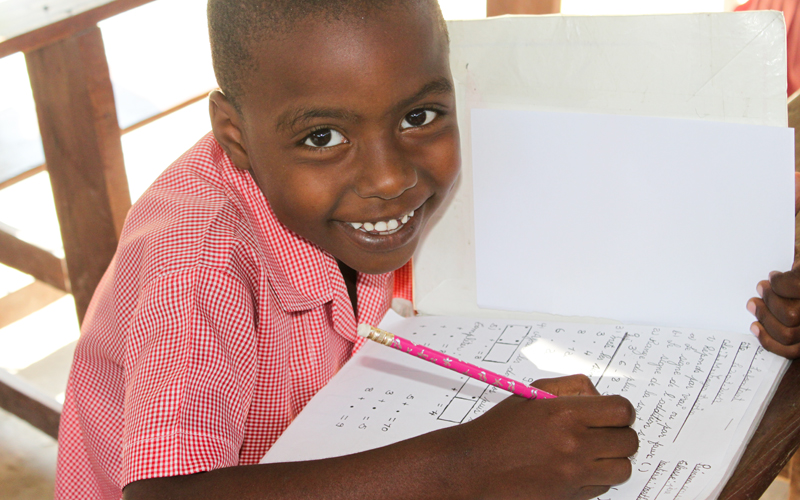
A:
{"x": 418, "y": 118}
{"x": 324, "y": 138}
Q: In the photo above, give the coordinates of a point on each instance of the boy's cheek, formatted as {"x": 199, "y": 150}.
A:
{"x": 448, "y": 175}
{"x": 443, "y": 159}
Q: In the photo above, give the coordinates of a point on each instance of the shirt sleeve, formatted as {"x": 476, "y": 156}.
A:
{"x": 190, "y": 364}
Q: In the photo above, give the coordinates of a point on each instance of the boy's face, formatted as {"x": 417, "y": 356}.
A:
{"x": 349, "y": 129}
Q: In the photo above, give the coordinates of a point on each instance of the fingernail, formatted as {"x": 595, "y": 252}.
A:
{"x": 760, "y": 290}
{"x": 754, "y": 329}
{"x": 751, "y": 306}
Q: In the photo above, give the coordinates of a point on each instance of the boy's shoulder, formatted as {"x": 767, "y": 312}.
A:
{"x": 195, "y": 183}
{"x": 197, "y": 213}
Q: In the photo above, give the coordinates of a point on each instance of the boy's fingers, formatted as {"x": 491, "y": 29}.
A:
{"x": 588, "y": 492}
{"x": 785, "y": 284}
{"x": 773, "y": 325}
{"x": 606, "y": 411}
{"x": 787, "y": 311}
{"x": 614, "y": 442}
{"x": 796, "y": 193}
{"x": 772, "y": 345}
{"x": 609, "y": 471}
{"x": 572, "y": 385}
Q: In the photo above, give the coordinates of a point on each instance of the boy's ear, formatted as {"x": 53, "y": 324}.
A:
{"x": 227, "y": 126}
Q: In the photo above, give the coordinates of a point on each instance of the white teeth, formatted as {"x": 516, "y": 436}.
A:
{"x": 383, "y": 227}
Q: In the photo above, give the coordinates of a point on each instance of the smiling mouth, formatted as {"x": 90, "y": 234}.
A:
{"x": 383, "y": 228}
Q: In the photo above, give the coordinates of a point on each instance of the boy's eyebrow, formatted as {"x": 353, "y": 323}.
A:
{"x": 291, "y": 118}
{"x": 441, "y": 85}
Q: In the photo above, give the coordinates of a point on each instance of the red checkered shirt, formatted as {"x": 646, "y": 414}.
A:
{"x": 212, "y": 328}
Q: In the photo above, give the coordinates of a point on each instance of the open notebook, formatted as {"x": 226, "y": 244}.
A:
{"x": 680, "y": 197}
{"x": 698, "y": 393}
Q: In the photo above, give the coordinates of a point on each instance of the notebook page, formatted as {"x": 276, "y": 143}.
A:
{"x": 691, "y": 389}
{"x": 643, "y": 219}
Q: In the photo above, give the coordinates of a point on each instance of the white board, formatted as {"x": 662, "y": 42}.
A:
{"x": 720, "y": 67}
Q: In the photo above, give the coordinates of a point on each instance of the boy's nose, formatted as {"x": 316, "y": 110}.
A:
{"x": 386, "y": 175}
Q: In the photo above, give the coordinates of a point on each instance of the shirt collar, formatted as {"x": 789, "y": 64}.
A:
{"x": 302, "y": 275}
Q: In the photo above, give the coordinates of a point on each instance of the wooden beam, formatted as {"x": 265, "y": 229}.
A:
{"x": 66, "y": 28}
{"x": 27, "y": 300}
{"x": 21, "y": 177}
{"x": 141, "y": 123}
{"x": 30, "y": 259}
{"x": 501, "y": 7}
{"x": 166, "y": 112}
{"x": 83, "y": 152}
{"x": 29, "y": 403}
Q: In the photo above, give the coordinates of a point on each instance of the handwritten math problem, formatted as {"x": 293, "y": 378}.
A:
{"x": 697, "y": 393}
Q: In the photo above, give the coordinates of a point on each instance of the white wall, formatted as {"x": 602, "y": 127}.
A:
{"x": 463, "y": 9}
{"x": 475, "y": 9}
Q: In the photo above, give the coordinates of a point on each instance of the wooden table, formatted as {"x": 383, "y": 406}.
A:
{"x": 774, "y": 442}
{"x": 77, "y": 117}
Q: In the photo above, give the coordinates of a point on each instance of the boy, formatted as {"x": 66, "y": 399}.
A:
{"x": 242, "y": 273}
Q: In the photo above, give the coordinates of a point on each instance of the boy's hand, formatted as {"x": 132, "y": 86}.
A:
{"x": 571, "y": 447}
{"x": 573, "y": 385}
{"x": 778, "y": 305}
{"x": 778, "y": 313}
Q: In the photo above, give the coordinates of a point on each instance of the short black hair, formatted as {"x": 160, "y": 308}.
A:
{"x": 236, "y": 25}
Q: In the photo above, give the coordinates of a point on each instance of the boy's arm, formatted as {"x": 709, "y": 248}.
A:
{"x": 572, "y": 447}
{"x": 777, "y": 307}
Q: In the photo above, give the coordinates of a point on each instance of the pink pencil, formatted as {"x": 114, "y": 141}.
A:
{"x": 401, "y": 344}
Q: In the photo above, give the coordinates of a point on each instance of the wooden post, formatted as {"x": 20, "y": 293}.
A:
{"x": 83, "y": 152}
{"x": 500, "y": 7}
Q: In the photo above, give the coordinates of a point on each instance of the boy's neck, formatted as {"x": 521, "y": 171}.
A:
{"x": 350, "y": 276}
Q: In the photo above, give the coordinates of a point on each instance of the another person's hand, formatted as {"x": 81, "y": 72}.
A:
{"x": 573, "y": 447}
{"x": 778, "y": 306}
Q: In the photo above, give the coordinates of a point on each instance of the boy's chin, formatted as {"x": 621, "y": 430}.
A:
{"x": 377, "y": 264}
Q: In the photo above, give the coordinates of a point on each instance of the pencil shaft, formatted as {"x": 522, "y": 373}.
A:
{"x": 468, "y": 369}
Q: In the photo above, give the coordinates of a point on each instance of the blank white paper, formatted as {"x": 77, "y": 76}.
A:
{"x": 640, "y": 219}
